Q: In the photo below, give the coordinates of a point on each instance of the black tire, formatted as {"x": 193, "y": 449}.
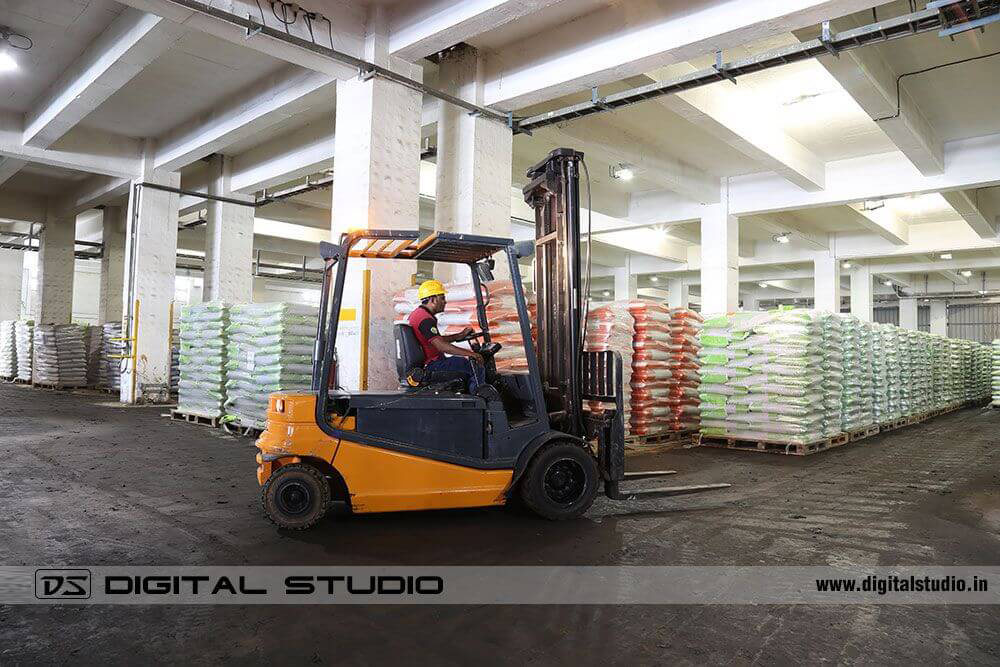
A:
{"x": 296, "y": 496}
{"x": 561, "y": 481}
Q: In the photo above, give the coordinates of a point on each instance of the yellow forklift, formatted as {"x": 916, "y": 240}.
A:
{"x": 432, "y": 445}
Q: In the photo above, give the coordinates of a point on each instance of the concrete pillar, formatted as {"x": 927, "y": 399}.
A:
{"x": 939, "y": 317}
{"x": 861, "y": 292}
{"x": 826, "y": 282}
{"x": 473, "y": 160}
{"x": 150, "y": 269}
{"x": 751, "y": 302}
{"x": 228, "y": 239}
{"x": 626, "y": 282}
{"x": 376, "y": 186}
{"x": 109, "y": 304}
{"x": 11, "y": 277}
{"x": 678, "y": 293}
{"x": 720, "y": 272}
{"x": 56, "y": 265}
{"x": 908, "y": 314}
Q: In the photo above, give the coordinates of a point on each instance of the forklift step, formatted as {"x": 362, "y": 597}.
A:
{"x": 613, "y": 491}
{"x": 648, "y": 474}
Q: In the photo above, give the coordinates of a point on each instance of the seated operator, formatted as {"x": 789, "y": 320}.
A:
{"x": 423, "y": 321}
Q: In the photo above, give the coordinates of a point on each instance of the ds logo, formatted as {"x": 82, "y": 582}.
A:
{"x": 62, "y": 584}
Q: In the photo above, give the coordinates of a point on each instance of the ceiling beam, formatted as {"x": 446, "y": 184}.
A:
{"x": 883, "y": 221}
{"x": 304, "y": 151}
{"x": 129, "y": 44}
{"x": 739, "y": 119}
{"x": 978, "y": 208}
{"x": 8, "y": 167}
{"x": 867, "y": 78}
{"x": 277, "y": 98}
{"x": 617, "y": 145}
{"x": 621, "y": 40}
{"x": 419, "y": 29}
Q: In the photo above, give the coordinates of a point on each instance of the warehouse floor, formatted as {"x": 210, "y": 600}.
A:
{"x": 88, "y": 482}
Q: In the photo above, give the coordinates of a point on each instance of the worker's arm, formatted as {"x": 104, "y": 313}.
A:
{"x": 441, "y": 345}
{"x": 451, "y": 338}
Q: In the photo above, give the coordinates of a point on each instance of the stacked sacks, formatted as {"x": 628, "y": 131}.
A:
{"x": 24, "y": 334}
{"x": 112, "y": 347}
{"x": 270, "y": 349}
{"x": 762, "y": 376}
{"x": 460, "y": 312}
{"x": 856, "y": 397}
{"x": 8, "y": 349}
{"x": 60, "y": 356}
{"x": 880, "y": 372}
{"x": 175, "y": 359}
{"x": 610, "y": 327}
{"x": 832, "y": 367}
{"x": 923, "y": 374}
{"x": 201, "y": 389}
{"x": 92, "y": 339}
{"x": 996, "y": 372}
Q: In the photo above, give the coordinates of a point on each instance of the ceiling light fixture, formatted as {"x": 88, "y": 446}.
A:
{"x": 9, "y": 42}
{"x": 761, "y": 284}
{"x": 872, "y": 204}
{"x": 784, "y": 237}
{"x": 607, "y": 293}
{"x": 887, "y": 283}
{"x": 622, "y": 172}
{"x": 655, "y": 279}
{"x": 966, "y": 273}
{"x": 846, "y": 265}
{"x": 945, "y": 255}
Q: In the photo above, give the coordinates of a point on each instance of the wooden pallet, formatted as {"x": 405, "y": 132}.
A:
{"x": 772, "y": 446}
{"x": 657, "y": 442}
{"x": 239, "y": 430}
{"x": 21, "y": 381}
{"x": 58, "y": 387}
{"x": 195, "y": 418}
{"x": 862, "y": 433}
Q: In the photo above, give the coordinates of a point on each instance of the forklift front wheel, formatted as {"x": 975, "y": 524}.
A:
{"x": 561, "y": 481}
{"x": 296, "y": 496}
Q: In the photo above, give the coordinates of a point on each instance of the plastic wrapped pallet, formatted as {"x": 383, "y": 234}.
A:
{"x": 202, "y": 386}
{"x": 460, "y": 312}
{"x": 270, "y": 347}
{"x": 24, "y": 334}
{"x": 60, "y": 355}
{"x": 763, "y": 376}
{"x": 8, "y": 349}
{"x": 109, "y": 371}
{"x": 175, "y": 360}
{"x": 92, "y": 340}
{"x": 611, "y": 328}
{"x": 856, "y": 398}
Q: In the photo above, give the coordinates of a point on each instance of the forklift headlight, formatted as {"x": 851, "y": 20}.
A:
{"x": 279, "y": 405}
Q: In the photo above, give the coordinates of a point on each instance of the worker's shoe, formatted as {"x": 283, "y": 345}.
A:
{"x": 488, "y": 392}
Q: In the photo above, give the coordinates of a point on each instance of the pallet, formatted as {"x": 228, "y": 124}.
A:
{"x": 21, "y": 381}
{"x": 862, "y": 433}
{"x": 58, "y": 387}
{"x": 195, "y": 418}
{"x": 772, "y": 446}
{"x": 239, "y": 430}
{"x": 657, "y": 442}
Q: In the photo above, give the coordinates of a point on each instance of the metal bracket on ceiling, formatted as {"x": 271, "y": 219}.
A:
{"x": 253, "y": 33}
{"x": 598, "y": 101}
{"x": 721, "y": 69}
{"x": 365, "y": 72}
{"x": 826, "y": 39}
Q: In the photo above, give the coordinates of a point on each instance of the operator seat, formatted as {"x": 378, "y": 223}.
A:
{"x": 410, "y": 365}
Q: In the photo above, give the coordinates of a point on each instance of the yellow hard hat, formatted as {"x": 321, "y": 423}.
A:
{"x": 429, "y": 288}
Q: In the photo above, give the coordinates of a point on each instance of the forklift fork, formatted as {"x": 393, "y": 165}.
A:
{"x": 602, "y": 381}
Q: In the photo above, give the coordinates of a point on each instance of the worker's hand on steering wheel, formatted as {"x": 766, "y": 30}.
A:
{"x": 465, "y": 333}
{"x": 477, "y": 358}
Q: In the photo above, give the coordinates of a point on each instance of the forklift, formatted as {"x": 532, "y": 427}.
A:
{"x": 430, "y": 444}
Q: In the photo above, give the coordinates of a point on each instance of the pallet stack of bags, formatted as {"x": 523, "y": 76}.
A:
{"x": 112, "y": 347}
{"x": 8, "y": 350}
{"x": 24, "y": 334}
{"x": 659, "y": 349}
{"x": 175, "y": 359}
{"x": 270, "y": 348}
{"x": 857, "y": 395}
{"x": 60, "y": 356}
{"x": 501, "y": 313}
{"x": 995, "y": 372}
{"x": 92, "y": 341}
{"x": 202, "y": 385}
{"x": 773, "y": 376}
{"x": 983, "y": 366}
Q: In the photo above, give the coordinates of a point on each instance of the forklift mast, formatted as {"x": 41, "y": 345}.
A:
{"x": 553, "y": 190}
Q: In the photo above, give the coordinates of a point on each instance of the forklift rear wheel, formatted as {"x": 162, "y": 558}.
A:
{"x": 296, "y": 496}
{"x": 561, "y": 481}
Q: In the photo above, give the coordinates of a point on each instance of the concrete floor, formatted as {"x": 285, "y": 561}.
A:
{"x": 87, "y": 482}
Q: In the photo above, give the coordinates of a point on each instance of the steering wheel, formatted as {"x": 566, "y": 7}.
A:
{"x": 471, "y": 336}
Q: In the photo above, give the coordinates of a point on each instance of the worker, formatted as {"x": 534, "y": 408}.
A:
{"x": 423, "y": 321}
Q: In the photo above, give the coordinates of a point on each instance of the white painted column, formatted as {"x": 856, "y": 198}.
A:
{"x": 626, "y": 282}
{"x": 228, "y": 239}
{"x": 861, "y": 292}
{"x": 678, "y": 293}
{"x": 11, "y": 278}
{"x": 908, "y": 314}
{"x": 473, "y": 161}
{"x": 376, "y": 185}
{"x": 109, "y": 304}
{"x": 150, "y": 269}
{"x": 826, "y": 282}
{"x": 939, "y": 317}
{"x": 720, "y": 244}
{"x": 750, "y": 302}
{"x": 56, "y": 265}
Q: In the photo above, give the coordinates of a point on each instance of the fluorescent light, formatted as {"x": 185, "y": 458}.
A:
{"x": 607, "y": 293}
{"x": 781, "y": 238}
{"x": 966, "y": 273}
{"x": 761, "y": 284}
{"x": 945, "y": 255}
{"x": 887, "y": 283}
{"x": 655, "y": 279}
{"x": 847, "y": 265}
{"x": 7, "y": 62}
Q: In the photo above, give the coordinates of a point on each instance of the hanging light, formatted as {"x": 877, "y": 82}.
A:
{"x": 965, "y": 273}
{"x": 10, "y": 42}
{"x": 784, "y": 237}
{"x": 887, "y": 283}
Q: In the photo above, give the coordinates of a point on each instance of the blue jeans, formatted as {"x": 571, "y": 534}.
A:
{"x": 474, "y": 373}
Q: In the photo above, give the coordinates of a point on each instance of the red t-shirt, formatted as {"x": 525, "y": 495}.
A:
{"x": 425, "y": 328}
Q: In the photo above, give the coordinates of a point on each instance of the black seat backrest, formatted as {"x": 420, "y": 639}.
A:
{"x": 409, "y": 353}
